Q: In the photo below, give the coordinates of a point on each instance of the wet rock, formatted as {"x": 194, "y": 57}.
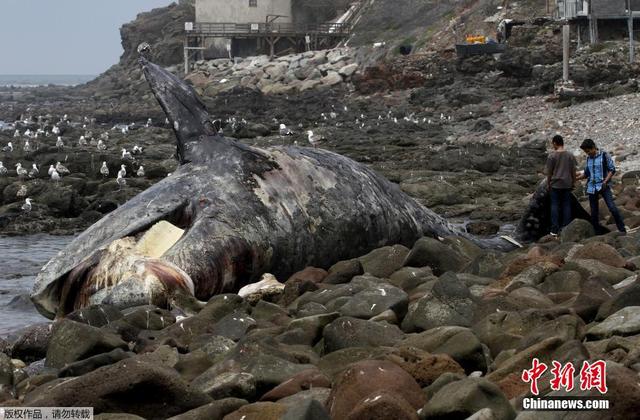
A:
{"x": 432, "y": 253}
{"x": 448, "y": 303}
{"x": 108, "y": 390}
{"x": 626, "y": 321}
{"x": 226, "y": 385}
{"x": 212, "y": 411}
{"x": 576, "y": 231}
{"x": 344, "y": 271}
{"x": 382, "y": 262}
{"x": 234, "y": 326}
{"x": 364, "y": 379}
{"x": 148, "y": 317}
{"x": 458, "y": 342}
{"x": 94, "y": 362}
{"x": 308, "y": 410}
{"x": 423, "y": 366}
{"x": 32, "y": 343}
{"x": 305, "y": 380}
{"x": 352, "y": 332}
{"x": 72, "y": 341}
{"x": 375, "y": 300}
{"x": 96, "y": 315}
{"x": 597, "y": 269}
{"x": 408, "y": 278}
{"x": 307, "y": 330}
{"x": 465, "y": 397}
{"x": 258, "y": 411}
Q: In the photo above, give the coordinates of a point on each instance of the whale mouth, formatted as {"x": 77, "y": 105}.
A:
{"x": 129, "y": 272}
{"x": 129, "y": 269}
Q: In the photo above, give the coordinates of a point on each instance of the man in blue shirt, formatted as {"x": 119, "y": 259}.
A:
{"x": 598, "y": 171}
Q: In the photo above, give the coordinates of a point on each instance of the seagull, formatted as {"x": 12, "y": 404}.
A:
{"x": 51, "y": 169}
{"x": 121, "y": 182}
{"x": 82, "y": 141}
{"x": 122, "y": 172}
{"x": 27, "y": 146}
{"x": 101, "y": 145}
{"x": 284, "y": 131}
{"x": 55, "y": 130}
{"x": 62, "y": 170}
{"x": 59, "y": 143}
{"x": 140, "y": 172}
{"x": 16, "y": 133}
{"x": 3, "y": 170}
{"x": 125, "y": 154}
{"x": 104, "y": 136}
{"x": 20, "y": 170}
{"x": 149, "y": 122}
{"x": 313, "y": 138}
{"x": 8, "y": 148}
{"x": 34, "y": 171}
{"x": 104, "y": 170}
{"x": 55, "y": 176}
{"x": 27, "y": 205}
{"x": 136, "y": 150}
{"x": 22, "y": 192}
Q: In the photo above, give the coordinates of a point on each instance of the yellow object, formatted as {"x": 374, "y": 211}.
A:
{"x": 157, "y": 240}
{"x": 477, "y": 39}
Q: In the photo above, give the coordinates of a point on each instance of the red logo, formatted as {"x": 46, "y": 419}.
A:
{"x": 592, "y": 375}
{"x": 532, "y": 375}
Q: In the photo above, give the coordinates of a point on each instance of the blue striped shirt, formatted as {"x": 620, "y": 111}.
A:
{"x": 593, "y": 171}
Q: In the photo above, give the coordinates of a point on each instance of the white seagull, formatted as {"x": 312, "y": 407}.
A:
{"x": 121, "y": 182}
{"x": 8, "y": 147}
{"x": 104, "y": 170}
{"x": 3, "y": 170}
{"x": 62, "y": 170}
{"x": 20, "y": 170}
{"x": 55, "y": 176}
{"x": 314, "y": 139}
{"x": 27, "y": 205}
{"x": 34, "y": 171}
{"x": 101, "y": 145}
{"x": 27, "y": 146}
{"x": 22, "y": 192}
{"x": 125, "y": 154}
{"x": 82, "y": 141}
{"x": 140, "y": 172}
{"x": 122, "y": 172}
{"x": 59, "y": 143}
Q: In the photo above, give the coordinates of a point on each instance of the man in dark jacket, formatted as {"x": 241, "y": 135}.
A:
{"x": 561, "y": 179}
{"x": 598, "y": 172}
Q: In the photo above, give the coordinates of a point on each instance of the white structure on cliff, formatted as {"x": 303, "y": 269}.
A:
{"x": 229, "y": 28}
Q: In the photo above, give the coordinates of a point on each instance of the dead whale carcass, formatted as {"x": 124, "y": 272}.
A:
{"x": 231, "y": 212}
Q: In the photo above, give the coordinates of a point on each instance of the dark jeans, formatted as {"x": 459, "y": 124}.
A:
{"x": 560, "y": 203}
{"x": 608, "y": 199}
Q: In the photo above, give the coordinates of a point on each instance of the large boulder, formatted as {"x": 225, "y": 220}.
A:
{"x": 352, "y": 332}
{"x": 72, "y": 341}
{"x": 433, "y": 253}
{"x": 368, "y": 379}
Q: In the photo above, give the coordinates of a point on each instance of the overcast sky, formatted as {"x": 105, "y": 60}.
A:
{"x": 64, "y": 36}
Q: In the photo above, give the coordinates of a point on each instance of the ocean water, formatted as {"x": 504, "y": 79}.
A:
{"x": 33, "y": 80}
{"x": 22, "y": 257}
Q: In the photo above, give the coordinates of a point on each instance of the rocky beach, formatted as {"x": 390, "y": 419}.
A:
{"x": 438, "y": 329}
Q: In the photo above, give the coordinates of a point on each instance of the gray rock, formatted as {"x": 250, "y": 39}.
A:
{"x": 597, "y": 269}
{"x": 375, "y": 300}
{"x": 331, "y": 79}
{"x": 226, "y": 385}
{"x": 212, "y": 411}
{"x": 72, "y": 341}
{"x": 489, "y": 264}
{"x": 32, "y": 343}
{"x": 310, "y": 83}
{"x": 458, "y": 342}
{"x": 577, "y": 231}
{"x": 344, "y": 271}
{"x": 448, "y": 303}
{"x": 6, "y": 371}
{"x": 352, "y": 332}
{"x": 148, "y": 317}
{"x": 96, "y": 315}
{"x": 309, "y": 409}
{"x": 624, "y": 322}
{"x": 348, "y": 70}
{"x": 382, "y": 262}
{"x": 433, "y": 253}
{"x": 234, "y": 326}
{"x": 465, "y": 397}
{"x": 408, "y": 278}
{"x": 94, "y": 362}
{"x": 532, "y": 275}
{"x": 561, "y": 282}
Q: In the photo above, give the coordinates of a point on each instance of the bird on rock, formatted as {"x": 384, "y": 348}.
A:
{"x": 122, "y": 172}
{"x": 104, "y": 170}
{"x": 140, "y": 171}
{"x": 20, "y": 170}
{"x": 62, "y": 170}
{"x": 34, "y": 171}
{"x": 22, "y": 191}
{"x": 26, "y": 207}
{"x": 121, "y": 182}
{"x": 101, "y": 145}
{"x": 8, "y": 148}
{"x": 3, "y": 170}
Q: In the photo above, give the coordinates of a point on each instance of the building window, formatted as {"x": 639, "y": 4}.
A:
{"x": 253, "y": 3}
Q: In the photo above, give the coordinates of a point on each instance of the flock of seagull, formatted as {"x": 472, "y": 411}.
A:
{"x": 57, "y": 171}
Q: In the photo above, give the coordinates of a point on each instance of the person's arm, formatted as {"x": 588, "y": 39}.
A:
{"x": 574, "y": 176}
{"x": 612, "y": 170}
{"x": 548, "y": 170}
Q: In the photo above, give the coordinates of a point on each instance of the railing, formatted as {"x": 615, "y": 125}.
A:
{"x": 210, "y": 28}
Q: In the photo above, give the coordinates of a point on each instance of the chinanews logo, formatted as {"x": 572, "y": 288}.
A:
{"x": 592, "y": 376}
